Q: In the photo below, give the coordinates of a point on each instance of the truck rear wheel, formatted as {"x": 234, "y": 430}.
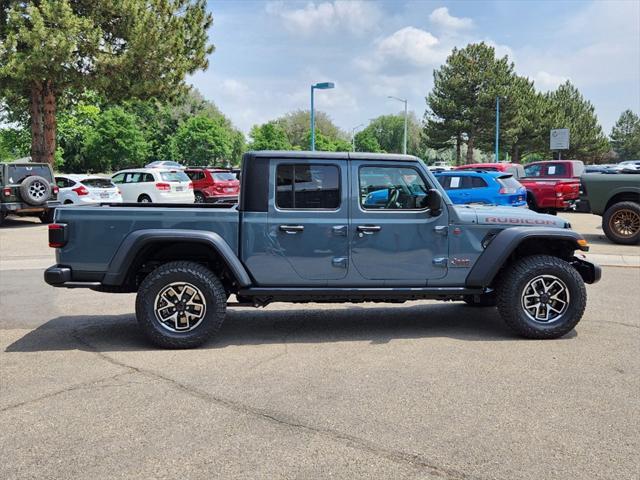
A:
{"x": 621, "y": 223}
{"x": 181, "y": 305}
{"x": 541, "y": 297}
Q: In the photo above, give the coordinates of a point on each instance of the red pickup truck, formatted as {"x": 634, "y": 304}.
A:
{"x": 552, "y": 185}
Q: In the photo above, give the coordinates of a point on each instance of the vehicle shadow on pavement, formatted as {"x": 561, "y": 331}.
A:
{"x": 20, "y": 222}
{"x": 377, "y": 325}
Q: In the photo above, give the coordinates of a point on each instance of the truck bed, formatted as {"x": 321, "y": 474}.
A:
{"x": 106, "y": 226}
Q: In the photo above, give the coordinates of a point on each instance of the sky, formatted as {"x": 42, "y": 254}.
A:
{"x": 269, "y": 53}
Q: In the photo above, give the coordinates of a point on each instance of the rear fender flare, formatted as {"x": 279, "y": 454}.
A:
{"x": 504, "y": 244}
{"x": 132, "y": 245}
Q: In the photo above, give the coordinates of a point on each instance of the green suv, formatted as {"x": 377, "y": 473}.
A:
{"x": 27, "y": 189}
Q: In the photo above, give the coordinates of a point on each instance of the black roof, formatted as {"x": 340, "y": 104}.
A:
{"x": 385, "y": 157}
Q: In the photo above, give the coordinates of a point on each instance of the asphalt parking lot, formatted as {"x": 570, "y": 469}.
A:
{"x": 419, "y": 390}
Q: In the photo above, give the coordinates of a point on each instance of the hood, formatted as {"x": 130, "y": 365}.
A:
{"x": 492, "y": 215}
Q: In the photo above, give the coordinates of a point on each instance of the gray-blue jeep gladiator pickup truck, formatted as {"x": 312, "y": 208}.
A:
{"x": 310, "y": 227}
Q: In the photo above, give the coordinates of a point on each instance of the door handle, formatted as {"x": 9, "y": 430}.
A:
{"x": 369, "y": 229}
{"x": 291, "y": 229}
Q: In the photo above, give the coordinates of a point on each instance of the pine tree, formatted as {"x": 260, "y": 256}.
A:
{"x": 625, "y": 136}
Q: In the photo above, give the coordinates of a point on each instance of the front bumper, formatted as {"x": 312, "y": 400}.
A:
{"x": 21, "y": 207}
{"x": 589, "y": 271}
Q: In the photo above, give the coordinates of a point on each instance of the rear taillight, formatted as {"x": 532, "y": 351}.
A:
{"x": 506, "y": 191}
{"x": 81, "y": 190}
{"x": 190, "y": 186}
{"x": 57, "y": 235}
{"x": 6, "y": 191}
{"x": 165, "y": 187}
{"x": 55, "y": 189}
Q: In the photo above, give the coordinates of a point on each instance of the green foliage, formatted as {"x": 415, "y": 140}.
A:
{"x": 116, "y": 142}
{"x": 269, "y": 136}
{"x": 388, "y": 131}
{"x": 297, "y": 126}
{"x": 75, "y": 126}
{"x": 625, "y": 136}
{"x": 569, "y": 109}
{"x": 14, "y": 143}
{"x": 366, "y": 141}
{"x": 202, "y": 141}
{"x": 325, "y": 143}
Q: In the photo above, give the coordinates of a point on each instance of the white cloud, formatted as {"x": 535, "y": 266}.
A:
{"x": 548, "y": 81}
{"x": 442, "y": 18}
{"x": 357, "y": 17}
{"x": 410, "y": 44}
{"x": 234, "y": 88}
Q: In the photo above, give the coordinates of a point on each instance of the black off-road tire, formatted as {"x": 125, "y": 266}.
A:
{"x": 47, "y": 216}
{"x": 485, "y": 300}
{"x": 144, "y": 199}
{"x": 175, "y": 272}
{"x": 35, "y": 190}
{"x": 632, "y": 211}
{"x": 513, "y": 282}
{"x": 3, "y": 215}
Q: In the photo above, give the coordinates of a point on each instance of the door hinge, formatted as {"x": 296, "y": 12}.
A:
{"x": 441, "y": 230}
{"x": 340, "y": 262}
{"x": 440, "y": 261}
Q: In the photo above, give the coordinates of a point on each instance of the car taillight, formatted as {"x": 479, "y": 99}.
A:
{"x": 81, "y": 190}
{"x": 55, "y": 189}
{"x": 165, "y": 187}
{"x": 506, "y": 191}
{"x": 190, "y": 186}
{"x": 57, "y": 235}
{"x": 6, "y": 191}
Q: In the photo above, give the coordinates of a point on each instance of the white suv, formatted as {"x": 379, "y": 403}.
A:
{"x": 154, "y": 185}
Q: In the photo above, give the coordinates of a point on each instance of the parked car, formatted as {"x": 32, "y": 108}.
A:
{"x": 490, "y": 188}
{"x": 627, "y": 165}
{"x": 86, "y": 190}
{"x": 303, "y": 233}
{"x": 439, "y": 166}
{"x": 154, "y": 185}
{"x": 28, "y": 189}
{"x": 616, "y": 198}
{"x": 552, "y": 185}
{"x": 214, "y": 185}
{"x": 514, "y": 169}
{"x": 165, "y": 164}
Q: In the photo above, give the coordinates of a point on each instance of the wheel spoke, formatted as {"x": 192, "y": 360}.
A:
{"x": 180, "y": 307}
{"x": 545, "y": 298}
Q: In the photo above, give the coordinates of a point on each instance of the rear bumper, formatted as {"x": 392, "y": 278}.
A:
{"x": 60, "y": 276}
{"x": 19, "y": 207}
{"x": 222, "y": 199}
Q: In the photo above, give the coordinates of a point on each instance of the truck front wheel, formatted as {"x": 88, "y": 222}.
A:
{"x": 180, "y": 305}
{"x": 541, "y": 297}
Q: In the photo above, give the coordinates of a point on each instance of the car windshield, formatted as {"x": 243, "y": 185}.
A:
{"x": 97, "y": 183}
{"x": 17, "y": 173}
{"x": 174, "y": 176}
{"x": 224, "y": 176}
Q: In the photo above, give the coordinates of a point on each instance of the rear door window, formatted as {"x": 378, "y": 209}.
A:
{"x": 477, "y": 182}
{"x": 308, "y": 186}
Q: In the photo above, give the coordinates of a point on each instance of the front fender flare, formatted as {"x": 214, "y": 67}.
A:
{"x": 503, "y": 245}
{"x": 135, "y": 241}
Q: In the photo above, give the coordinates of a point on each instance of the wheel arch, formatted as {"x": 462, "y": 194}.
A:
{"x": 514, "y": 243}
{"x": 143, "y": 250}
{"x": 628, "y": 196}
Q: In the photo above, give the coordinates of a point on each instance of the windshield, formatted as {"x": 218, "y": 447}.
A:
{"x": 17, "y": 173}
{"x": 97, "y": 183}
{"x": 224, "y": 176}
{"x": 174, "y": 176}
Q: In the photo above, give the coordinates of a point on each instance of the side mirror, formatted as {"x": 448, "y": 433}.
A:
{"x": 434, "y": 202}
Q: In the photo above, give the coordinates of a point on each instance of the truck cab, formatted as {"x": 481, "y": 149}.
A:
{"x": 324, "y": 227}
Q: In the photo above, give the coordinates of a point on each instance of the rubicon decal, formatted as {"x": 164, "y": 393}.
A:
{"x": 525, "y": 221}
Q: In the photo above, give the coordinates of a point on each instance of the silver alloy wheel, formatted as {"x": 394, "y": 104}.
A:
{"x": 180, "y": 307}
{"x": 545, "y": 299}
{"x": 37, "y": 190}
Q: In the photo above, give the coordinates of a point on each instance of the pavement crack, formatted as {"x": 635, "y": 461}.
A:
{"x": 414, "y": 460}
{"x": 71, "y": 388}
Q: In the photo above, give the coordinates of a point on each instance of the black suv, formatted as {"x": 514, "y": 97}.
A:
{"x": 27, "y": 189}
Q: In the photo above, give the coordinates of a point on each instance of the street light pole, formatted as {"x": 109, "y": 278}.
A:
{"x": 497, "y": 159}
{"x": 319, "y": 86}
{"x": 404, "y": 143}
{"x": 353, "y": 136}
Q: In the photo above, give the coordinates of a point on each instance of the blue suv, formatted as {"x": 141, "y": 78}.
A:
{"x": 492, "y": 188}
